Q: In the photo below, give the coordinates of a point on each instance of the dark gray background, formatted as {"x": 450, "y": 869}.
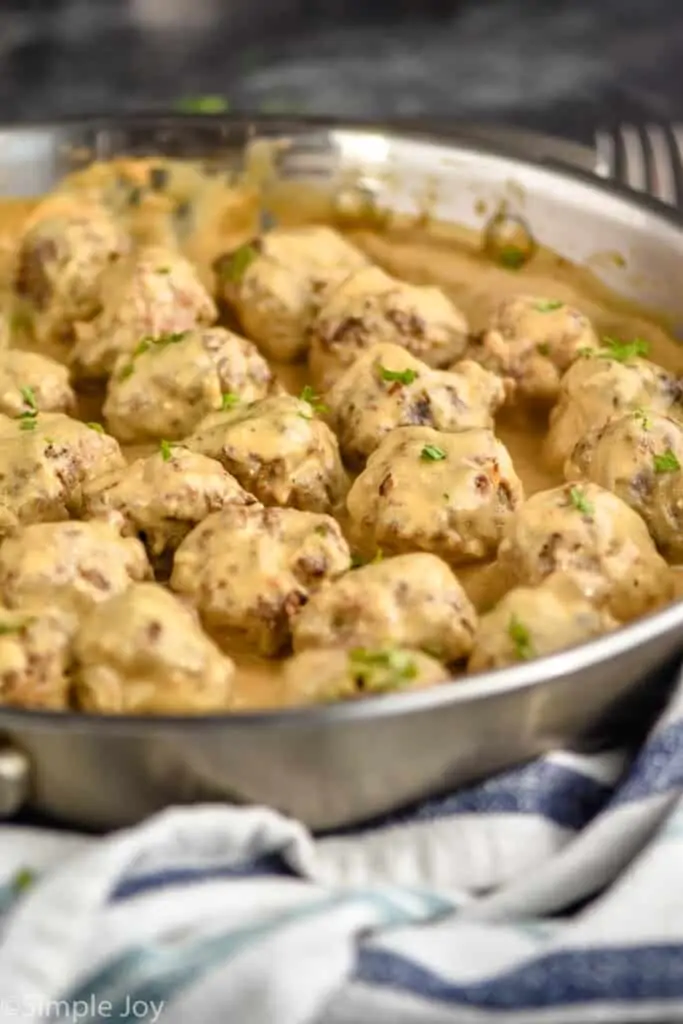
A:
{"x": 560, "y": 65}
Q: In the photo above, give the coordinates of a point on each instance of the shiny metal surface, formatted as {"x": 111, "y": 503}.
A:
{"x": 335, "y": 765}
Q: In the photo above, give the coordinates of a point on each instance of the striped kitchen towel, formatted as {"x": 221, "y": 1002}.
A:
{"x": 551, "y": 893}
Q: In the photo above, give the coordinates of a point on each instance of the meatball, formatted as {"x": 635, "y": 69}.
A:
{"x": 639, "y": 457}
{"x": 386, "y": 388}
{"x": 370, "y": 307}
{"x": 278, "y": 450}
{"x": 248, "y": 570}
{"x": 598, "y": 388}
{"x": 155, "y": 294}
{"x": 144, "y": 652}
{"x": 44, "y": 460}
{"x": 68, "y": 566}
{"x": 31, "y": 382}
{"x": 67, "y": 245}
{"x": 447, "y": 493}
{"x": 180, "y": 378}
{"x": 531, "y": 622}
{"x": 411, "y": 600}
{"x": 336, "y": 673}
{"x": 275, "y": 283}
{"x": 593, "y": 536}
{"x": 163, "y": 497}
{"x": 34, "y": 657}
{"x": 533, "y": 342}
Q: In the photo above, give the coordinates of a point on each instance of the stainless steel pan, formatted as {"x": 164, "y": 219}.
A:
{"x": 334, "y": 765}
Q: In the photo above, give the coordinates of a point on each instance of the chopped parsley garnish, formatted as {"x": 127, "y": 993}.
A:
{"x": 229, "y": 400}
{"x": 432, "y": 453}
{"x": 97, "y": 427}
{"x": 512, "y": 257}
{"x": 163, "y": 270}
{"x": 8, "y": 628}
{"x": 521, "y": 639}
{"x": 166, "y": 449}
{"x": 236, "y": 265}
{"x": 548, "y": 305}
{"x": 666, "y": 462}
{"x": 23, "y": 880}
{"x": 581, "y": 502}
{"x": 543, "y": 348}
{"x": 22, "y": 321}
{"x": 381, "y": 669}
{"x": 400, "y": 376}
{"x": 29, "y": 396}
{"x": 126, "y": 372}
{"x": 586, "y": 352}
{"x": 358, "y": 561}
{"x": 147, "y": 345}
{"x": 202, "y": 105}
{"x": 623, "y": 351}
{"x": 321, "y": 530}
{"x": 309, "y": 396}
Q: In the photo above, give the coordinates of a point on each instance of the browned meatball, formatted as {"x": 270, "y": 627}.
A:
{"x": 68, "y": 566}
{"x": 387, "y": 387}
{"x": 155, "y": 294}
{"x": 531, "y": 622}
{"x": 370, "y": 307}
{"x": 337, "y": 673}
{"x": 274, "y": 284}
{"x": 29, "y": 381}
{"x": 278, "y": 450}
{"x": 598, "y": 388}
{"x": 67, "y": 245}
{"x": 163, "y": 497}
{"x": 44, "y": 460}
{"x": 447, "y": 493}
{"x": 180, "y": 378}
{"x": 34, "y": 657}
{"x": 594, "y": 537}
{"x": 532, "y": 342}
{"x": 639, "y": 457}
{"x": 143, "y": 652}
{"x": 411, "y": 600}
{"x": 248, "y": 570}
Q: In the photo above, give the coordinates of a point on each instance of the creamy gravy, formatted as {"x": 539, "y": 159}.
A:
{"x": 449, "y": 258}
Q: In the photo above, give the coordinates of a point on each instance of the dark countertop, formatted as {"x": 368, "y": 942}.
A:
{"x": 559, "y": 67}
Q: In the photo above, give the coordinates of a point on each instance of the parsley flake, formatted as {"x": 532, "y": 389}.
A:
{"x": 581, "y": 502}
{"x": 511, "y": 257}
{"x": 23, "y": 880}
{"x": 97, "y": 427}
{"x": 432, "y": 453}
{"x": 166, "y": 449}
{"x": 543, "y": 348}
{"x": 309, "y": 396}
{"x": 229, "y": 400}
{"x": 381, "y": 669}
{"x": 8, "y": 628}
{"x": 548, "y": 305}
{"x": 521, "y": 639}
{"x": 202, "y": 105}
{"x": 126, "y": 372}
{"x": 29, "y": 396}
{"x": 642, "y": 417}
{"x": 400, "y": 376}
{"x": 624, "y": 351}
{"x": 236, "y": 265}
{"x": 666, "y": 462}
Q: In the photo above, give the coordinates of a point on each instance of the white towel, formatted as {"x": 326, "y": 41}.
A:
{"x": 551, "y": 893}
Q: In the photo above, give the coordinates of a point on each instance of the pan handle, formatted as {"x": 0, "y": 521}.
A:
{"x": 14, "y": 780}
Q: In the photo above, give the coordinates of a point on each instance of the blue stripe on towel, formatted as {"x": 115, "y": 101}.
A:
{"x": 269, "y": 864}
{"x": 613, "y": 975}
{"x": 562, "y": 795}
{"x": 657, "y": 768}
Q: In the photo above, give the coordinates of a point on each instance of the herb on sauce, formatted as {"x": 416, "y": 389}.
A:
{"x": 548, "y": 305}
{"x": 202, "y": 105}
{"x": 9, "y": 628}
{"x": 229, "y": 400}
{"x": 624, "y": 351}
{"x": 309, "y": 396}
{"x": 166, "y": 449}
{"x": 163, "y": 270}
{"x": 126, "y": 372}
{"x": 401, "y": 376}
{"x": 371, "y": 667}
{"x": 97, "y": 427}
{"x": 666, "y": 462}
{"x": 23, "y": 880}
{"x": 358, "y": 561}
{"x": 28, "y": 418}
{"x": 581, "y": 502}
{"x": 543, "y": 348}
{"x": 236, "y": 265}
{"x": 521, "y": 639}
{"x": 22, "y": 321}
{"x": 642, "y": 417}
{"x": 586, "y": 352}
{"x": 432, "y": 453}
{"x": 511, "y": 257}
{"x": 29, "y": 396}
